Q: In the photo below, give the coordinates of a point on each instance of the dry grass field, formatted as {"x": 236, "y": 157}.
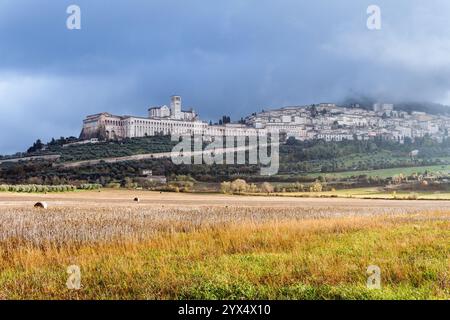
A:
{"x": 191, "y": 246}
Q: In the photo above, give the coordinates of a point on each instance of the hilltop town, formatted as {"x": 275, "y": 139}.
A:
{"x": 326, "y": 121}
{"x": 330, "y": 122}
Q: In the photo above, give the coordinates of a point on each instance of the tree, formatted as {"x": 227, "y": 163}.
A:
{"x": 267, "y": 188}
{"x": 225, "y": 120}
{"x": 128, "y": 183}
{"x": 398, "y": 179}
{"x": 225, "y": 187}
{"x": 253, "y": 188}
{"x": 38, "y": 145}
{"x": 239, "y": 186}
{"x": 316, "y": 187}
{"x": 314, "y": 112}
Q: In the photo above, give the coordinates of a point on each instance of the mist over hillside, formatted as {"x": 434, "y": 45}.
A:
{"x": 407, "y": 106}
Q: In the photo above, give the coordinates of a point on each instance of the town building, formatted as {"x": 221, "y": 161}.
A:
{"x": 325, "y": 121}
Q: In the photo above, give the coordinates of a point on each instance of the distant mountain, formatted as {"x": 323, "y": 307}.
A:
{"x": 428, "y": 107}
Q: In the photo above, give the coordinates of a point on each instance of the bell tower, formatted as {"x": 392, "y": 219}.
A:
{"x": 175, "y": 107}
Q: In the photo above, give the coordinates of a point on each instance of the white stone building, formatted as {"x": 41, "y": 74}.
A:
{"x": 326, "y": 121}
{"x": 161, "y": 121}
{"x": 174, "y": 112}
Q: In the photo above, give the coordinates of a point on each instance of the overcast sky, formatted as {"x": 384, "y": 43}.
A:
{"x": 229, "y": 57}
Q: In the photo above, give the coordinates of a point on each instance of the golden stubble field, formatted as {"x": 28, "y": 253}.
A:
{"x": 174, "y": 246}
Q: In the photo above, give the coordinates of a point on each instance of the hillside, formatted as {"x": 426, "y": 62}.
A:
{"x": 327, "y": 157}
{"x": 299, "y": 161}
{"x": 105, "y": 149}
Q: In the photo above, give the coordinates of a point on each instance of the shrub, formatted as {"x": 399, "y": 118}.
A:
{"x": 129, "y": 183}
{"x": 253, "y": 188}
{"x": 239, "y": 186}
{"x": 413, "y": 196}
{"x": 267, "y": 187}
{"x": 90, "y": 186}
{"x": 113, "y": 185}
{"x": 225, "y": 187}
{"x": 316, "y": 187}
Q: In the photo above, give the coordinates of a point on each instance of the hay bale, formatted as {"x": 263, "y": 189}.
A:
{"x": 136, "y": 199}
{"x": 41, "y": 205}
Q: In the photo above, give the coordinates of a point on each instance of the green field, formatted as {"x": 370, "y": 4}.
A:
{"x": 369, "y": 193}
{"x": 385, "y": 173}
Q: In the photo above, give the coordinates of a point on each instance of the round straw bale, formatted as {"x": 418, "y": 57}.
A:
{"x": 41, "y": 205}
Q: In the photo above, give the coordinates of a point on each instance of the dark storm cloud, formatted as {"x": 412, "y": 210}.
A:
{"x": 233, "y": 57}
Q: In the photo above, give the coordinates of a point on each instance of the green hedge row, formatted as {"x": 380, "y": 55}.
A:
{"x": 33, "y": 188}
